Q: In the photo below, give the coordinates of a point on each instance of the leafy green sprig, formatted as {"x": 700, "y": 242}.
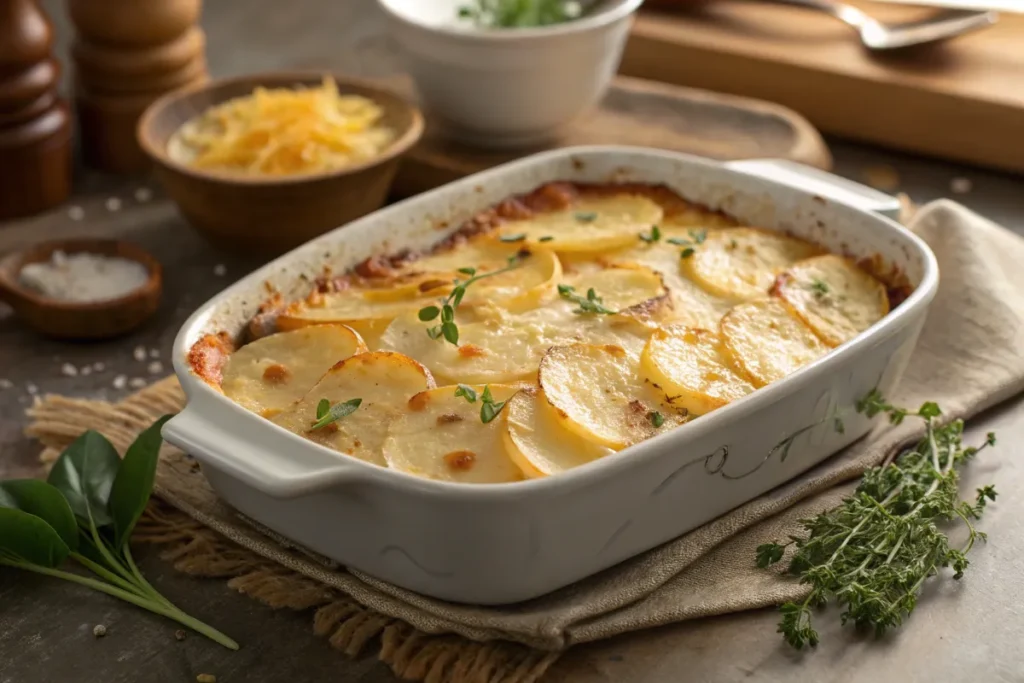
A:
{"x": 697, "y": 238}
{"x": 591, "y": 303}
{"x": 654, "y": 235}
{"x": 327, "y": 413}
{"x": 489, "y": 408}
{"x": 86, "y": 512}
{"x": 873, "y": 553}
{"x": 446, "y": 311}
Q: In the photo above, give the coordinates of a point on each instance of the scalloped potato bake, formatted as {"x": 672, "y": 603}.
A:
{"x": 550, "y": 330}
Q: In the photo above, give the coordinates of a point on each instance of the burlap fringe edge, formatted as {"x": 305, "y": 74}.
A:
{"x": 348, "y": 626}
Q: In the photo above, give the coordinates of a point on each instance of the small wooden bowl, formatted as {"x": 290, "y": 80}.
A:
{"x": 270, "y": 215}
{"x": 80, "y": 320}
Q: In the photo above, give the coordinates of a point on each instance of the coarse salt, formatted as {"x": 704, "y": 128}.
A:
{"x": 143, "y": 194}
{"x": 154, "y": 353}
{"x": 113, "y": 204}
{"x": 76, "y": 213}
{"x": 84, "y": 276}
{"x": 139, "y": 353}
{"x": 99, "y": 366}
{"x": 120, "y": 382}
{"x": 220, "y": 270}
{"x": 136, "y": 382}
{"x": 156, "y": 367}
{"x": 69, "y": 370}
{"x": 6, "y": 384}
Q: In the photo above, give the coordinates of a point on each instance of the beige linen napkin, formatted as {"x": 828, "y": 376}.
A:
{"x": 969, "y": 358}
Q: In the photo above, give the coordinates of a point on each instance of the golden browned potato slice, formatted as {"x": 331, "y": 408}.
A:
{"x": 442, "y": 436}
{"x": 598, "y": 393}
{"x": 834, "y": 297}
{"x": 497, "y": 345}
{"x": 530, "y": 283}
{"x": 691, "y": 305}
{"x": 741, "y": 263}
{"x": 383, "y": 381}
{"x": 767, "y": 342}
{"x": 590, "y": 224}
{"x": 538, "y": 443}
{"x": 691, "y": 367}
{"x": 271, "y": 373}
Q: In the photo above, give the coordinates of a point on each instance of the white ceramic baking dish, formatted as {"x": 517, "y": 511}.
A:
{"x": 508, "y": 542}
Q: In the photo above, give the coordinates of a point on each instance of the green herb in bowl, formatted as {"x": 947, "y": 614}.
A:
{"x": 520, "y": 13}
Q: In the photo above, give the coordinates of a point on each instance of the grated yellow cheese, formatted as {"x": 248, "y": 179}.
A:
{"x": 284, "y": 131}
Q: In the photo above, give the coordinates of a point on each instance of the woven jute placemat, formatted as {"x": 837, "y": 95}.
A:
{"x": 968, "y": 359}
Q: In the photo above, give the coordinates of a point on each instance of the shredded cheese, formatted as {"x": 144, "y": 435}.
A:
{"x": 282, "y": 131}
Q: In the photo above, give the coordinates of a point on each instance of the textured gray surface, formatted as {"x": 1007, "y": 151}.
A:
{"x": 964, "y": 633}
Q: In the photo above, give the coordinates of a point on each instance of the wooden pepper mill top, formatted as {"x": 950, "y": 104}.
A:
{"x": 127, "y": 54}
{"x": 35, "y": 127}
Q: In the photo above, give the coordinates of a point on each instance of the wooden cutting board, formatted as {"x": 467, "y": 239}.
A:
{"x": 961, "y": 100}
{"x": 641, "y": 113}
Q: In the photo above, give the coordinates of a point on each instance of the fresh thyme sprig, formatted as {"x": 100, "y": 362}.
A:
{"x": 326, "y": 413}
{"x": 873, "y": 553}
{"x": 519, "y": 13}
{"x": 448, "y": 329}
{"x": 697, "y": 238}
{"x": 489, "y": 408}
{"x": 592, "y": 303}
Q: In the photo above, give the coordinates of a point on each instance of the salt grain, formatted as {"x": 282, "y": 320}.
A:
{"x": 99, "y": 366}
{"x": 6, "y": 384}
{"x": 69, "y": 370}
{"x": 113, "y": 204}
{"x": 139, "y": 353}
{"x": 156, "y": 367}
{"x": 76, "y": 213}
{"x": 84, "y": 277}
{"x": 961, "y": 185}
{"x": 85, "y": 371}
{"x": 136, "y": 382}
{"x": 99, "y": 630}
{"x": 120, "y": 382}
{"x": 220, "y": 270}
{"x": 154, "y": 353}
{"x": 143, "y": 195}
{"x": 31, "y": 388}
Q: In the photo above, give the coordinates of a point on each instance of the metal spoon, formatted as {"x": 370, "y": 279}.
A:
{"x": 880, "y": 36}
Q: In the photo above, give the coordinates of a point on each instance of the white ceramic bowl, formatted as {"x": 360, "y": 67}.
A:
{"x": 507, "y": 87}
{"x": 498, "y": 543}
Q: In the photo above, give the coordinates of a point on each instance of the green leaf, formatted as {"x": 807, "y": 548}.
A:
{"x": 545, "y": 238}
{"x": 656, "y": 418}
{"x": 451, "y": 332}
{"x": 322, "y": 408}
{"x": 686, "y": 253}
{"x": 338, "y": 411}
{"x": 586, "y": 216}
{"x": 513, "y": 238}
{"x": 26, "y": 537}
{"x": 769, "y": 553}
{"x": 468, "y": 271}
{"x": 428, "y": 313}
{"x": 134, "y": 481}
{"x": 84, "y": 474}
{"x": 447, "y": 314}
{"x": 929, "y": 410}
{"x": 434, "y": 332}
{"x": 467, "y": 392}
{"x": 44, "y": 501}
{"x": 489, "y": 410}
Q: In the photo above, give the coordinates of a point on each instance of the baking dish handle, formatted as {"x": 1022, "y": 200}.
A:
{"x": 821, "y": 183}
{"x": 273, "y": 465}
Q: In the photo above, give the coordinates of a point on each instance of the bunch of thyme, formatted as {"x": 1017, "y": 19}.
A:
{"x": 873, "y": 553}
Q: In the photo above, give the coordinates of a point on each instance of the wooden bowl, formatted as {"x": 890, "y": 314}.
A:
{"x": 74, "y": 319}
{"x": 270, "y": 215}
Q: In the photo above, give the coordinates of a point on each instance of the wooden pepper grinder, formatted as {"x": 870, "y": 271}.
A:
{"x": 35, "y": 125}
{"x": 126, "y": 55}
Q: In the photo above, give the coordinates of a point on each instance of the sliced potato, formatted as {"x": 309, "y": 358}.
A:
{"x": 350, "y": 307}
{"x": 497, "y": 345}
{"x": 597, "y": 392}
{"x": 628, "y": 288}
{"x": 442, "y": 436}
{"x": 691, "y": 367}
{"x": 273, "y": 372}
{"x": 384, "y": 381}
{"x": 691, "y": 304}
{"x": 538, "y": 443}
{"x": 741, "y": 263}
{"x": 833, "y": 296}
{"x": 590, "y": 224}
{"x": 767, "y": 342}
